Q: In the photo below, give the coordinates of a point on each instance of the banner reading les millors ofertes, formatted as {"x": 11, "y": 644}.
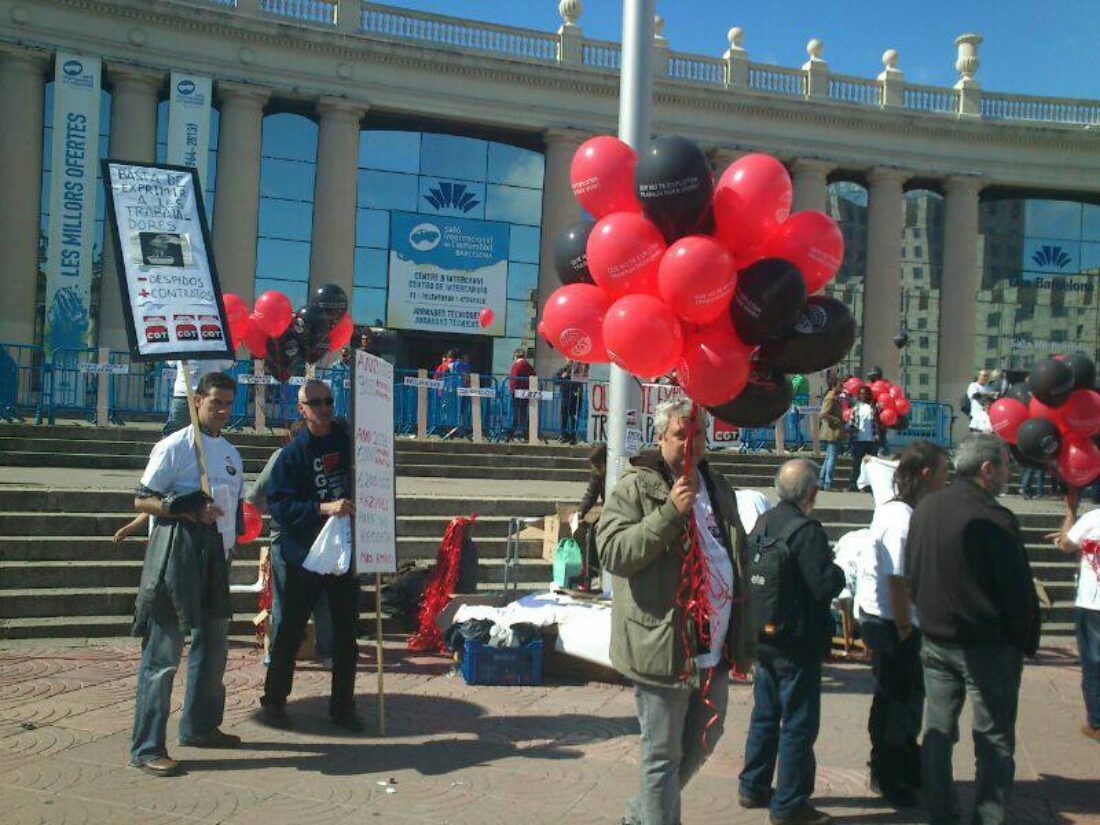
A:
{"x": 172, "y": 300}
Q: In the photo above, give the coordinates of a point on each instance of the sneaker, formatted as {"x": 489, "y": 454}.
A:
{"x": 275, "y": 716}
{"x": 757, "y": 800}
{"x": 1091, "y": 732}
{"x": 161, "y": 766}
{"x": 806, "y": 815}
{"x": 349, "y": 721}
{"x": 215, "y": 739}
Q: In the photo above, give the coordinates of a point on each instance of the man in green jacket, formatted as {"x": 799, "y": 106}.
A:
{"x": 642, "y": 541}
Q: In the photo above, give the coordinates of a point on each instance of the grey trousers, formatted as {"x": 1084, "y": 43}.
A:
{"x": 672, "y": 722}
{"x": 991, "y": 677}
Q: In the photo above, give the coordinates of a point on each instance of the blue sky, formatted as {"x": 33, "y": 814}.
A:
{"x": 1041, "y": 47}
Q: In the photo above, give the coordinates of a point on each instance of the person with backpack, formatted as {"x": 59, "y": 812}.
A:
{"x": 793, "y": 581}
{"x": 681, "y": 687}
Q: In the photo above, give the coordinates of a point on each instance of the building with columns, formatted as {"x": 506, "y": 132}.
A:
{"x": 971, "y": 218}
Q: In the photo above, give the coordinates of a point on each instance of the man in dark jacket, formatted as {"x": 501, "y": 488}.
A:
{"x": 787, "y": 678}
{"x": 310, "y": 482}
{"x": 972, "y": 585}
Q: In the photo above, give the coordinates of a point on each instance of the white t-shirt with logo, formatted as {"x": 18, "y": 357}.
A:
{"x": 197, "y": 370}
{"x": 979, "y": 416}
{"x": 1087, "y": 529}
{"x": 173, "y": 468}
{"x": 720, "y": 570}
{"x": 885, "y": 557}
{"x": 863, "y": 421}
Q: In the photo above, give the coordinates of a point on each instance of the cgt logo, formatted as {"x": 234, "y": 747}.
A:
{"x": 186, "y": 87}
{"x": 72, "y": 68}
{"x": 1051, "y": 256}
{"x": 424, "y": 237}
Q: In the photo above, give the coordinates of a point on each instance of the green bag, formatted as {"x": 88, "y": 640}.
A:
{"x": 567, "y": 563}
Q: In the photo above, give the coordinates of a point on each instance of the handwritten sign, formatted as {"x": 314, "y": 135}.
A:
{"x": 107, "y": 369}
{"x": 476, "y": 392}
{"x": 430, "y": 383}
{"x": 256, "y": 379}
{"x": 375, "y": 521}
{"x": 541, "y": 395}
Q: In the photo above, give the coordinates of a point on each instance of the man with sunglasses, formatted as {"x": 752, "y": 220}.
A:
{"x": 310, "y": 482}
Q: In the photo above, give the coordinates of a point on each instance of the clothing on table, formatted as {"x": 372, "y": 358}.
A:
{"x": 878, "y": 474}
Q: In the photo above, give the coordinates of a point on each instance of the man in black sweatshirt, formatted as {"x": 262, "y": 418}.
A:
{"x": 971, "y": 582}
{"x": 787, "y": 678}
{"x": 310, "y": 482}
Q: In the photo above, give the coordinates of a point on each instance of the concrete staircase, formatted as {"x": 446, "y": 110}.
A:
{"x": 61, "y": 575}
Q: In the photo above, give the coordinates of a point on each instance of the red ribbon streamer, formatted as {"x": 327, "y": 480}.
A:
{"x": 440, "y": 586}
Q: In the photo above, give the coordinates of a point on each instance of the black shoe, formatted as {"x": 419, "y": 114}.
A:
{"x": 750, "y": 801}
{"x": 275, "y": 716}
{"x": 349, "y": 721}
{"x": 805, "y": 815}
{"x": 215, "y": 739}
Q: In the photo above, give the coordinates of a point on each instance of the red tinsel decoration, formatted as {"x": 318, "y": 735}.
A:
{"x": 1090, "y": 549}
{"x": 265, "y": 600}
{"x": 440, "y": 586}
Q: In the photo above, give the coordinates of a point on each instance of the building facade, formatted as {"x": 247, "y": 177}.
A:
{"x": 347, "y": 141}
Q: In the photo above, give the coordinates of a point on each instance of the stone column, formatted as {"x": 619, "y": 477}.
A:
{"x": 135, "y": 93}
{"x": 332, "y": 253}
{"x": 816, "y": 69}
{"x": 958, "y": 292}
{"x": 237, "y": 187}
{"x": 722, "y": 159}
{"x": 22, "y": 79}
{"x": 809, "y": 176}
{"x": 882, "y": 285}
{"x": 559, "y": 209}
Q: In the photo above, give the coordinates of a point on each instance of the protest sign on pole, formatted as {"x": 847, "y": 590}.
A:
{"x": 172, "y": 301}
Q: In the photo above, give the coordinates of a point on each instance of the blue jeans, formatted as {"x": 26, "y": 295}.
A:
{"x": 786, "y": 714}
{"x": 178, "y": 416}
{"x": 1029, "y": 474}
{"x": 1087, "y": 623}
{"x": 322, "y": 615}
{"x": 825, "y": 477}
{"x": 204, "y": 703}
{"x": 990, "y": 676}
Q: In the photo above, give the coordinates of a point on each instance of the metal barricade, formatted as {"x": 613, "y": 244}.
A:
{"x": 928, "y": 420}
{"x": 67, "y": 388}
{"x": 21, "y": 368}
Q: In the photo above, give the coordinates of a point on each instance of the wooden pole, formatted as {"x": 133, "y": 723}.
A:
{"x": 102, "y": 412}
{"x": 422, "y": 407}
{"x": 259, "y": 395}
{"x": 475, "y": 408}
{"x": 204, "y": 480}
{"x": 378, "y": 651}
{"x": 533, "y": 411}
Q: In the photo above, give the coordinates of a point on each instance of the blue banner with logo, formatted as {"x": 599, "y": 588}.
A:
{"x": 189, "y": 122}
{"x": 71, "y": 237}
{"x": 444, "y": 271}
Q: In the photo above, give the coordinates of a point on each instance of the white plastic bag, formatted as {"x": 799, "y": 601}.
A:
{"x": 330, "y": 554}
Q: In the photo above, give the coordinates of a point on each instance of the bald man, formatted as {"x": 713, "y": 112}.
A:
{"x": 311, "y": 482}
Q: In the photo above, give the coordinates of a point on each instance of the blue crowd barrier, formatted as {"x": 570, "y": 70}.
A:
{"x": 21, "y": 367}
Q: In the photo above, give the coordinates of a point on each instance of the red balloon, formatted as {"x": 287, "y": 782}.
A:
{"x": 811, "y": 241}
{"x": 573, "y": 322}
{"x": 888, "y": 417}
{"x": 752, "y": 198}
{"x": 1079, "y": 461}
{"x": 696, "y": 278}
{"x": 255, "y": 339}
{"x": 273, "y": 312}
{"x": 846, "y": 414}
{"x": 486, "y": 317}
{"x": 602, "y": 176}
{"x": 853, "y": 385}
{"x": 903, "y": 406}
{"x": 1037, "y": 409}
{"x": 1006, "y": 415}
{"x": 642, "y": 335}
{"x": 884, "y": 402}
{"x": 624, "y": 253}
{"x": 714, "y": 364}
{"x": 341, "y": 332}
{"x": 880, "y": 386}
{"x": 253, "y": 523}
{"x": 1081, "y": 412}
{"x": 896, "y": 392}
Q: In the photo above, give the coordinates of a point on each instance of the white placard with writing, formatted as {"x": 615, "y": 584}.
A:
{"x": 430, "y": 383}
{"x": 108, "y": 369}
{"x": 375, "y": 521}
{"x": 476, "y": 392}
{"x": 541, "y": 395}
{"x": 170, "y": 290}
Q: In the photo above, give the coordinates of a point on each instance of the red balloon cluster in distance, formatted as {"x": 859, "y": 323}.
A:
{"x": 285, "y": 339}
{"x": 1053, "y": 418}
{"x": 892, "y": 406}
{"x": 712, "y": 282}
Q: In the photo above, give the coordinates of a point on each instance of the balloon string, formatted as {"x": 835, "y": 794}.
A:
{"x": 440, "y": 586}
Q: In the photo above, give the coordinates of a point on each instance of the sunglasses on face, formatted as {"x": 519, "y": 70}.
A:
{"x": 319, "y": 402}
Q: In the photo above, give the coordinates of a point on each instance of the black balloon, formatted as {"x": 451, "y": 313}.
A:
{"x": 821, "y": 337}
{"x": 1024, "y": 461}
{"x": 1084, "y": 371}
{"x": 675, "y": 184}
{"x": 571, "y": 253}
{"x": 766, "y": 396}
{"x": 1039, "y": 440}
{"x": 1051, "y": 381}
{"x": 901, "y": 339}
{"x": 332, "y": 299}
{"x": 283, "y": 355}
{"x": 311, "y": 324}
{"x": 768, "y": 300}
{"x": 1020, "y": 392}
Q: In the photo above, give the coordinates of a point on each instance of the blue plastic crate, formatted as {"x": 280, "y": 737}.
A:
{"x": 485, "y": 665}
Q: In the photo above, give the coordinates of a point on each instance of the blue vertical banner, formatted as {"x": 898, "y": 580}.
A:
{"x": 189, "y": 122}
{"x": 72, "y": 203}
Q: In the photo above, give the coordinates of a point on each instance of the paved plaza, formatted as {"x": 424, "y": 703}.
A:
{"x": 565, "y": 751}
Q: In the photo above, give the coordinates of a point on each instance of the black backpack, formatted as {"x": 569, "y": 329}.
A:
{"x": 772, "y": 574}
{"x": 964, "y": 404}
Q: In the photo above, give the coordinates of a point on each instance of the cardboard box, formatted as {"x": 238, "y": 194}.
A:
{"x": 556, "y": 527}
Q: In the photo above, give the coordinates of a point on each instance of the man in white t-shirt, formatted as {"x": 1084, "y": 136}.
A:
{"x": 980, "y": 397}
{"x": 1082, "y": 536}
{"x": 185, "y": 582}
{"x": 178, "y": 416}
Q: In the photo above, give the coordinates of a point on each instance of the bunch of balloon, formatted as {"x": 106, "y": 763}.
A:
{"x": 285, "y": 340}
{"x": 1054, "y": 418}
{"x": 707, "y": 282}
{"x": 890, "y": 401}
